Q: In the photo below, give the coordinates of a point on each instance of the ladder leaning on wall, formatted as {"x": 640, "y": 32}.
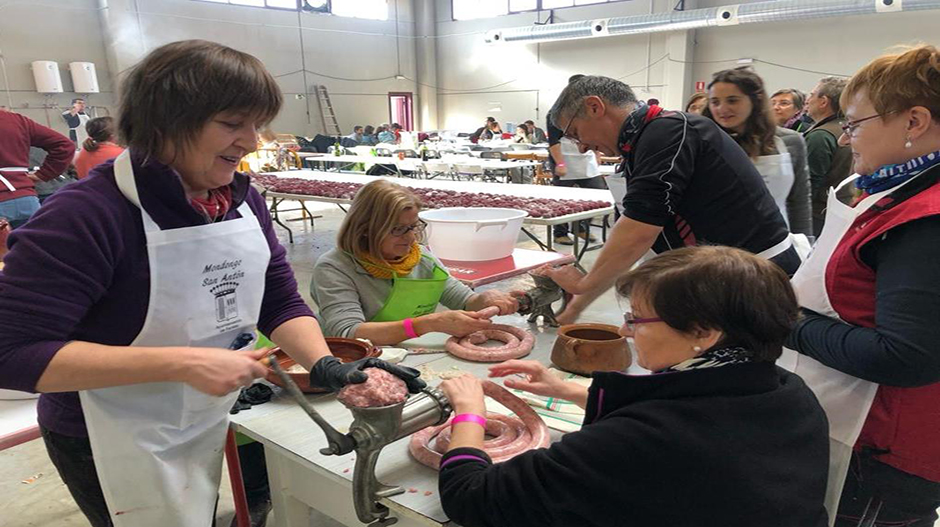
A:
{"x": 327, "y": 114}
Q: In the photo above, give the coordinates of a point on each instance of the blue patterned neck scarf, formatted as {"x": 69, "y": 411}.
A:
{"x": 890, "y": 176}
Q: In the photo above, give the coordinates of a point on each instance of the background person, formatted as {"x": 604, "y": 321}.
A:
{"x": 380, "y": 284}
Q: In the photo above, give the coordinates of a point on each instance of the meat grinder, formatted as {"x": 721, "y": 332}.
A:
{"x": 537, "y": 302}
{"x": 372, "y": 429}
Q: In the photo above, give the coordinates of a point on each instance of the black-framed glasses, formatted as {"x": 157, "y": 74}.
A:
{"x": 849, "y": 127}
{"x": 564, "y": 133}
{"x": 631, "y": 322}
{"x": 402, "y": 230}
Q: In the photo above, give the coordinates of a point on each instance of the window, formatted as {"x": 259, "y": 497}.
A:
{"x": 470, "y": 9}
{"x": 371, "y": 9}
{"x": 277, "y": 4}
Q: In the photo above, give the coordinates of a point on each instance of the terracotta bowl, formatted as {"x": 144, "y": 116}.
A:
{"x": 586, "y": 348}
{"x": 346, "y": 350}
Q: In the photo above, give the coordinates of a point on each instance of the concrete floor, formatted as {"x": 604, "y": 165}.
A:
{"x": 46, "y": 502}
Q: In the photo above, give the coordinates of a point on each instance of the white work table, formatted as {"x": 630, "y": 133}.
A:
{"x": 301, "y": 478}
{"x": 528, "y": 191}
{"x": 412, "y": 163}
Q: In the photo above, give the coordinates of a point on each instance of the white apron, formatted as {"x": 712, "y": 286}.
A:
{"x": 578, "y": 165}
{"x": 158, "y": 446}
{"x": 6, "y": 182}
{"x": 846, "y": 399}
{"x": 80, "y": 132}
{"x": 777, "y": 171}
{"x": 617, "y": 184}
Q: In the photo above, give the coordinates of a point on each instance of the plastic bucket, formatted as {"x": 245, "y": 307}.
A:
{"x": 471, "y": 234}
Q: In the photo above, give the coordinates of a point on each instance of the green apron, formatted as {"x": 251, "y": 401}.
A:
{"x": 413, "y": 297}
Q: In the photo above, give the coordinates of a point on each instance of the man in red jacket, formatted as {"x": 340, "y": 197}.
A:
{"x": 18, "y": 199}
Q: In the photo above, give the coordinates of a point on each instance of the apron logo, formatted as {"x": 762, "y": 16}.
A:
{"x": 226, "y": 303}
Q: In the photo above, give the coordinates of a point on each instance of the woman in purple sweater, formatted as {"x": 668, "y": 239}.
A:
{"x": 131, "y": 298}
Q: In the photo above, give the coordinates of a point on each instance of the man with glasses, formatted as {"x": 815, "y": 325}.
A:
{"x": 688, "y": 183}
{"x": 829, "y": 162}
{"x": 571, "y": 168}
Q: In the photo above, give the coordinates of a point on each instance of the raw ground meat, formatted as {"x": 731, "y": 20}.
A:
{"x": 382, "y": 389}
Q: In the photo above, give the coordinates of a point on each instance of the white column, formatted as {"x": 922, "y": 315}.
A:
{"x": 678, "y": 71}
{"x": 425, "y": 64}
{"x": 123, "y": 36}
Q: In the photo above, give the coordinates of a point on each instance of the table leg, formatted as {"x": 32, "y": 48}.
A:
{"x": 575, "y": 227}
{"x": 274, "y": 216}
{"x": 288, "y": 510}
{"x": 537, "y": 240}
{"x": 550, "y": 237}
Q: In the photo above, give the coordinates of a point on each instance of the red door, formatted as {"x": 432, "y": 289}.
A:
{"x": 400, "y": 109}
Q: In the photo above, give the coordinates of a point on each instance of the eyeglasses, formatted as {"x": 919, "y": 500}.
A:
{"x": 564, "y": 132}
{"x": 850, "y": 127}
{"x": 630, "y": 322}
{"x": 402, "y": 230}
{"x": 782, "y": 104}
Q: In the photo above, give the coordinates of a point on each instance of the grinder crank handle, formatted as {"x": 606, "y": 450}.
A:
{"x": 339, "y": 443}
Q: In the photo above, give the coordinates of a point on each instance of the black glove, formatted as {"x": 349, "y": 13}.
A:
{"x": 332, "y": 374}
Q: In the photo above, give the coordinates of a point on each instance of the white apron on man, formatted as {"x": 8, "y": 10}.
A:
{"x": 846, "y": 399}
{"x": 578, "y": 165}
{"x": 158, "y": 446}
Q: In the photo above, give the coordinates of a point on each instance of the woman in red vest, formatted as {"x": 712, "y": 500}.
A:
{"x": 869, "y": 341}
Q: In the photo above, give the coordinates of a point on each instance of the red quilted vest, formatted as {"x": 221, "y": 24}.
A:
{"x": 903, "y": 422}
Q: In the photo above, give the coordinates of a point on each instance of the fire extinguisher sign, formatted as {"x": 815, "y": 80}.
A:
{"x": 699, "y": 86}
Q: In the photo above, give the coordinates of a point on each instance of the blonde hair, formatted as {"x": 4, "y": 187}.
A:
{"x": 898, "y": 81}
{"x": 372, "y": 216}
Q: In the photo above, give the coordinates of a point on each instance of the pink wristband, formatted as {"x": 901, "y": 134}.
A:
{"x": 409, "y": 328}
{"x": 470, "y": 418}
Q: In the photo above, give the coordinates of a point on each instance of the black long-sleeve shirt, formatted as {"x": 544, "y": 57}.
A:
{"x": 736, "y": 446}
{"x": 903, "y": 349}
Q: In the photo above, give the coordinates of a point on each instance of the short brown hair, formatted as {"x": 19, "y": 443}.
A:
{"x": 831, "y": 88}
{"x": 695, "y": 98}
{"x": 746, "y": 297}
{"x": 169, "y": 96}
{"x": 799, "y": 99}
{"x": 372, "y": 216}
{"x": 899, "y": 81}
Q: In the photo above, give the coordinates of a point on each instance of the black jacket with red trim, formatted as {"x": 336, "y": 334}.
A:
{"x": 685, "y": 174}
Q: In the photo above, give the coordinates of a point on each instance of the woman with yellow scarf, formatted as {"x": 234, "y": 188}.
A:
{"x": 380, "y": 284}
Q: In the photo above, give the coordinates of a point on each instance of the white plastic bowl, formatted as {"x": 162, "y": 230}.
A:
{"x": 470, "y": 234}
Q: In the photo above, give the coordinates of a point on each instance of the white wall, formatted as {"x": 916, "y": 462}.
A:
{"x": 334, "y": 46}
{"x": 838, "y": 45}
{"x": 472, "y": 77}
{"x": 532, "y": 75}
{"x": 832, "y": 45}
{"x": 67, "y": 31}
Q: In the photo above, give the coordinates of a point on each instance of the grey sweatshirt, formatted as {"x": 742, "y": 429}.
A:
{"x": 347, "y": 295}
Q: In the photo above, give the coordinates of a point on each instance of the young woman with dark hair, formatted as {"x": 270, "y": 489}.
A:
{"x": 738, "y": 103}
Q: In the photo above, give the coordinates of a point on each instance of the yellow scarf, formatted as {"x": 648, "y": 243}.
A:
{"x": 401, "y": 267}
